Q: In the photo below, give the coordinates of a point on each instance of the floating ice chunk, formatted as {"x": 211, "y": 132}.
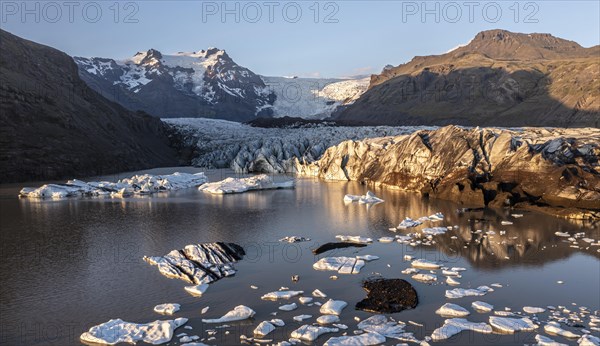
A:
{"x": 301, "y": 318}
{"x": 424, "y": 277}
{"x": 305, "y": 300}
{"x": 368, "y": 198}
{"x": 367, "y": 258}
{"x": 239, "y": 185}
{"x": 511, "y": 325}
{"x": 139, "y": 184}
{"x": 555, "y": 329}
{"x": 410, "y": 271}
{"x": 328, "y": 319}
{"x": 452, "y": 310}
{"x": 482, "y": 306}
{"x": 288, "y": 307}
{"x": 386, "y": 239}
{"x": 424, "y": 264}
{"x": 436, "y": 217}
{"x": 356, "y": 340}
{"x": 333, "y": 307}
{"x": 516, "y": 216}
{"x": 381, "y": 325}
{"x": 117, "y": 331}
{"x": 167, "y": 309}
{"x": 450, "y": 273}
{"x": 197, "y": 290}
{"x": 204, "y": 310}
{"x": 264, "y": 328}
{"x": 239, "y": 313}
{"x": 317, "y": 293}
{"x": 506, "y": 223}
{"x": 533, "y": 310}
{"x": 294, "y": 239}
{"x": 342, "y": 264}
{"x": 281, "y": 295}
{"x": 497, "y": 285}
{"x": 451, "y": 281}
{"x": 354, "y": 239}
{"x": 454, "y": 326}
{"x": 277, "y": 322}
{"x": 546, "y": 341}
{"x": 434, "y": 230}
{"x": 311, "y": 333}
{"x": 562, "y": 234}
{"x": 588, "y": 340}
{"x": 409, "y": 223}
{"x": 462, "y": 292}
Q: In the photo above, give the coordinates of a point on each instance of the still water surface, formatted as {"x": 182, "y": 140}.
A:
{"x": 70, "y": 264}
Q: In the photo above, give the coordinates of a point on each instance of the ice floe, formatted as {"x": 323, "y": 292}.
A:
{"x": 467, "y": 292}
{"x": 356, "y": 340}
{"x": 546, "y": 341}
{"x": 381, "y": 325}
{"x": 368, "y": 198}
{"x": 425, "y": 277}
{"x": 511, "y": 325}
{"x": 533, "y": 310}
{"x": 199, "y": 263}
{"x": 288, "y": 307}
{"x": 239, "y": 185}
{"x": 281, "y": 295}
{"x": 328, "y": 319}
{"x": 588, "y": 340}
{"x": 333, "y": 307}
{"x": 167, "y": 309}
{"x": 240, "y": 312}
{"x": 454, "y": 326}
{"x": 197, "y": 290}
{"x": 305, "y": 300}
{"x": 264, "y": 328}
{"x": 311, "y": 333}
{"x": 137, "y": 185}
{"x": 424, "y": 264}
{"x": 452, "y": 310}
{"x": 117, "y": 331}
{"x": 482, "y": 306}
{"x": 554, "y": 328}
{"x": 342, "y": 264}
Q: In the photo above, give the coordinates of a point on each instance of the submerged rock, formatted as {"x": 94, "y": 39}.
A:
{"x": 388, "y": 296}
{"x": 199, "y": 263}
{"x": 339, "y": 245}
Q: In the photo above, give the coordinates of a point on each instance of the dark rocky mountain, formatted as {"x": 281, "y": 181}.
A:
{"x": 205, "y": 84}
{"x": 499, "y": 79}
{"x": 52, "y": 125}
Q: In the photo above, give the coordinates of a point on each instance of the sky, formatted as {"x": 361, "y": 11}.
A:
{"x": 285, "y": 38}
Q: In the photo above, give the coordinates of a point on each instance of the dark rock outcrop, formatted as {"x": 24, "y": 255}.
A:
{"x": 52, "y": 125}
{"x": 339, "y": 245}
{"x": 554, "y": 169}
{"x": 388, "y": 296}
{"x": 500, "y": 78}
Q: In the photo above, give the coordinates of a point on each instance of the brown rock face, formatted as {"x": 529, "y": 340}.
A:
{"x": 556, "y": 168}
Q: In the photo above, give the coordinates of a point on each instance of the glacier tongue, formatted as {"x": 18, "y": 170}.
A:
{"x": 245, "y": 149}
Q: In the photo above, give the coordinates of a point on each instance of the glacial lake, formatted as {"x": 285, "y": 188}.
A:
{"x": 70, "y": 264}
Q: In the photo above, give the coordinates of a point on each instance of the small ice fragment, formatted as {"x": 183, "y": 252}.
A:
{"x": 277, "y": 322}
{"x": 546, "y": 341}
{"x": 367, "y": 258}
{"x": 362, "y": 339}
{"x": 328, "y": 319}
{"x": 305, "y": 300}
{"x": 425, "y": 277}
{"x": 386, "y": 239}
{"x": 118, "y": 331}
{"x": 482, "y": 306}
{"x": 333, "y": 307}
{"x": 452, "y": 310}
{"x": 311, "y": 333}
{"x": 410, "y": 271}
{"x": 511, "y": 325}
{"x": 555, "y": 329}
{"x": 368, "y": 198}
{"x": 505, "y": 223}
{"x": 239, "y": 313}
{"x": 264, "y": 328}
{"x": 204, "y": 310}
{"x": 451, "y": 281}
{"x": 253, "y": 287}
{"x": 562, "y": 234}
{"x": 533, "y": 310}
{"x": 424, "y": 264}
{"x": 461, "y": 292}
{"x": 354, "y": 239}
{"x": 301, "y": 318}
{"x": 196, "y": 290}
{"x": 281, "y": 295}
{"x": 167, "y": 309}
{"x": 454, "y": 326}
{"x": 288, "y": 307}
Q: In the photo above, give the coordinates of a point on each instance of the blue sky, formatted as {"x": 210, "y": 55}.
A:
{"x": 327, "y": 39}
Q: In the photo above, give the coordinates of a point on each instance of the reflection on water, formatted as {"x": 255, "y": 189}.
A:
{"x": 70, "y": 264}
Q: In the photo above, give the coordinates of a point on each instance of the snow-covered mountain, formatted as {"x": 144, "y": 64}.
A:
{"x": 208, "y": 83}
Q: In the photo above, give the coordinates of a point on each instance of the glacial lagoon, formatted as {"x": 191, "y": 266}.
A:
{"x": 74, "y": 263}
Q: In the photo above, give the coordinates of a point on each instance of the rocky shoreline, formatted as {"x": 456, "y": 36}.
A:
{"x": 553, "y": 170}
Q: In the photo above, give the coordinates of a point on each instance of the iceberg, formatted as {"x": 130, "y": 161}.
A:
{"x": 240, "y": 312}
{"x": 511, "y": 325}
{"x": 368, "y": 198}
{"x": 333, "y": 307}
{"x": 356, "y": 340}
{"x": 239, "y": 185}
{"x": 281, "y": 295}
{"x": 454, "y": 326}
{"x": 167, "y": 309}
{"x": 452, "y": 310}
{"x": 462, "y": 292}
{"x": 199, "y": 263}
{"x": 311, "y": 333}
{"x": 118, "y": 331}
{"x": 137, "y": 185}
